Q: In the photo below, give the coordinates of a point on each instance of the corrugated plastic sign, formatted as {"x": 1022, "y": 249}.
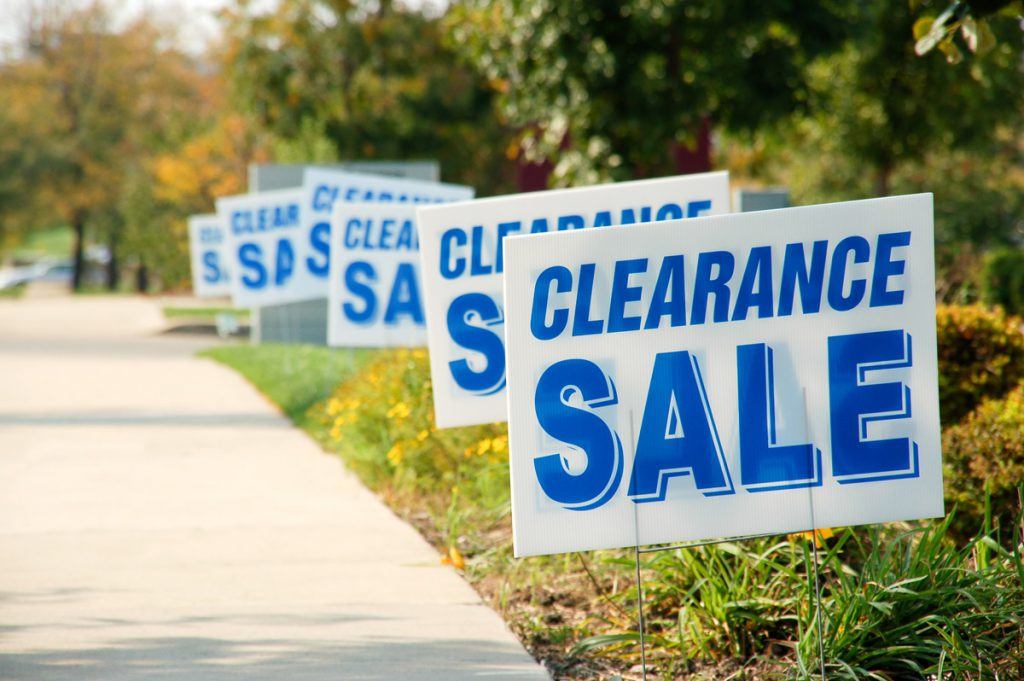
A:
{"x": 375, "y": 298}
{"x": 752, "y": 373}
{"x": 462, "y": 250}
{"x": 209, "y": 250}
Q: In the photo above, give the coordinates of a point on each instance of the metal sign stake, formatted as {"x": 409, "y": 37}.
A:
{"x": 695, "y": 545}
{"x": 814, "y": 550}
{"x": 639, "y": 582}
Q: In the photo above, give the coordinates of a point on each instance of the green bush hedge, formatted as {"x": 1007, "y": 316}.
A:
{"x": 1002, "y": 279}
{"x": 381, "y": 421}
{"x": 984, "y": 455}
{"x": 981, "y": 354}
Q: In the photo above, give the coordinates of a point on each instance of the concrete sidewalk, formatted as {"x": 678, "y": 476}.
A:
{"x": 160, "y": 520}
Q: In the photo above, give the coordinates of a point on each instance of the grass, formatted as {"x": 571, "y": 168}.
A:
{"x": 294, "y": 377}
{"x": 203, "y": 312}
{"x": 902, "y": 601}
{"x": 16, "y": 291}
{"x": 54, "y": 243}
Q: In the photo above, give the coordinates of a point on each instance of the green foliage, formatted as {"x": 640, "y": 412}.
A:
{"x": 895, "y": 604}
{"x": 363, "y": 80}
{"x": 919, "y": 607}
{"x": 16, "y": 291}
{"x": 970, "y": 21}
{"x": 294, "y": 377}
{"x": 984, "y": 465}
{"x": 381, "y": 422}
{"x": 876, "y": 106}
{"x": 1002, "y": 280}
{"x": 45, "y": 243}
{"x": 726, "y": 600}
{"x": 608, "y": 88}
{"x": 86, "y": 106}
{"x": 981, "y": 354}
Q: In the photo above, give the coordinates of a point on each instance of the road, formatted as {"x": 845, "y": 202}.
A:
{"x": 159, "y": 519}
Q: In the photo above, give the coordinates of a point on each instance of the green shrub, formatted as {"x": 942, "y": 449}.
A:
{"x": 984, "y": 459}
{"x": 381, "y": 421}
{"x": 981, "y": 354}
{"x": 896, "y": 604}
{"x": 727, "y": 600}
{"x": 1002, "y": 279}
{"x": 919, "y": 607}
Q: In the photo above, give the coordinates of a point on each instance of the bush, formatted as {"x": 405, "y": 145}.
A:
{"x": 896, "y": 604}
{"x": 984, "y": 459}
{"x": 919, "y": 607}
{"x": 981, "y": 354}
{"x": 381, "y": 421}
{"x": 1002, "y": 279}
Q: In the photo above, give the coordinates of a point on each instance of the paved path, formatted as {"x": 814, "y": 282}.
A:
{"x": 160, "y": 520}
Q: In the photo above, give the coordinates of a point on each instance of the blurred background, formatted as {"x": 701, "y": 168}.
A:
{"x": 120, "y": 119}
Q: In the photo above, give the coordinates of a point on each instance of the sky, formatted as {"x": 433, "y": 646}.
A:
{"x": 194, "y": 18}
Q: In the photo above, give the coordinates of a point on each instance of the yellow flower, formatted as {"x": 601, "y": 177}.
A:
{"x": 395, "y": 454}
{"x": 399, "y": 411}
{"x": 819, "y": 536}
{"x": 499, "y": 444}
{"x": 453, "y": 558}
{"x": 424, "y": 434}
{"x": 483, "y": 447}
{"x": 333, "y": 406}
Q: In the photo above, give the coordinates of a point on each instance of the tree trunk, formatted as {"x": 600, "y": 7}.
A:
{"x": 113, "y": 269}
{"x": 78, "y": 253}
{"x": 883, "y": 180}
{"x": 142, "y": 279}
{"x": 695, "y": 159}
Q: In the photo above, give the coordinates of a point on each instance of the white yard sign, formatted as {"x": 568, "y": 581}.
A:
{"x": 375, "y": 298}
{"x": 280, "y": 239}
{"x": 208, "y": 247}
{"x": 265, "y": 246}
{"x": 753, "y": 373}
{"x": 463, "y": 258}
{"x": 323, "y": 189}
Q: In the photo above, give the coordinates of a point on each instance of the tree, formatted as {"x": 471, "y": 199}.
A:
{"x": 355, "y": 79}
{"x": 186, "y": 178}
{"x": 95, "y": 105}
{"x": 973, "y": 21}
{"x": 885, "y": 106}
{"x": 65, "y": 78}
{"x": 620, "y": 88}
{"x": 883, "y": 120}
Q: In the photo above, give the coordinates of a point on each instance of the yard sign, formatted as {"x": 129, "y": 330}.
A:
{"x": 463, "y": 258}
{"x": 374, "y": 297}
{"x": 265, "y": 246}
{"x": 323, "y": 189}
{"x": 752, "y": 373}
{"x": 208, "y": 248}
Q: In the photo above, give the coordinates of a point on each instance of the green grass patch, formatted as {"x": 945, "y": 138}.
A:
{"x": 52, "y": 243}
{"x": 294, "y": 377}
{"x": 16, "y": 291}
{"x": 203, "y": 312}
